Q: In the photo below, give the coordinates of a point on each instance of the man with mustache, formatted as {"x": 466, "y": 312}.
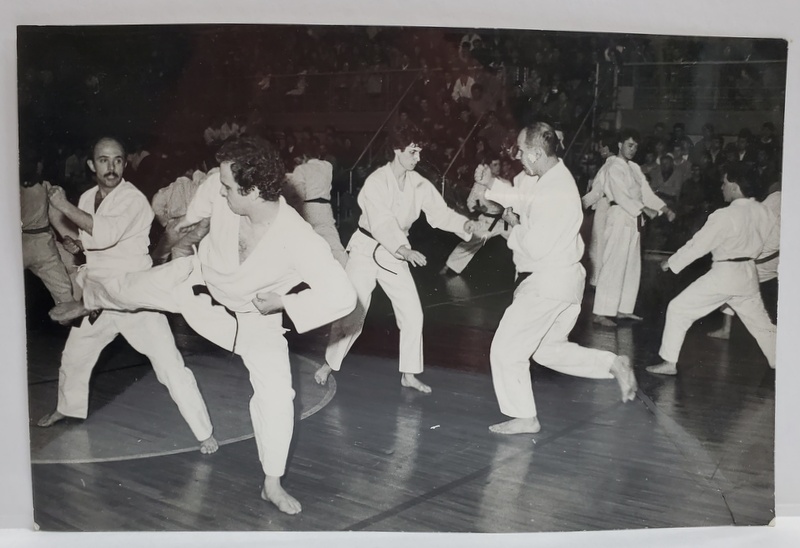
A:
{"x": 114, "y": 221}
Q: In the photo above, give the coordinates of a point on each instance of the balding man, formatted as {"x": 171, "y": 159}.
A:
{"x": 545, "y": 212}
{"x": 114, "y": 220}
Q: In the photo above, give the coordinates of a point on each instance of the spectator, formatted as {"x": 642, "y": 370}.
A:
{"x": 462, "y": 88}
{"x": 744, "y": 150}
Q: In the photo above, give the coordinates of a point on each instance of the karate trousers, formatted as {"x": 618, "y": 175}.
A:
{"x": 537, "y": 326}
{"x": 595, "y": 250}
{"x": 365, "y": 267}
{"x": 148, "y": 333}
{"x": 258, "y": 339}
{"x": 731, "y": 283}
{"x": 40, "y": 256}
{"x": 464, "y": 252}
{"x": 621, "y": 265}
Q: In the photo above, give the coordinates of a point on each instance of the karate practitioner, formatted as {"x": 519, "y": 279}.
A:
{"x": 767, "y": 269}
{"x": 257, "y": 251}
{"x": 114, "y": 220}
{"x": 735, "y": 236}
{"x": 490, "y": 220}
{"x": 308, "y": 190}
{"x": 39, "y": 252}
{"x": 169, "y": 205}
{"x": 630, "y": 198}
{"x": 545, "y": 211}
{"x": 392, "y": 198}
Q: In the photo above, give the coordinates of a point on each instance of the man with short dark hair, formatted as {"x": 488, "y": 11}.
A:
{"x": 544, "y": 209}
{"x": 735, "y": 236}
{"x": 595, "y": 199}
{"x": 391, "y": 200}
{"x": 114, "y": 221}
{"x": 256, "y": 254}
{"x": 631, "y": 199}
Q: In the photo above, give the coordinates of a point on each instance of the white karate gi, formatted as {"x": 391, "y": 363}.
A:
{"x": 463, "y": 253}
{"x": 388, "y": 213}
{"x": 288, "y": 254}
{"x": 118, "y": 244}
{"x": 621, "y": 264}
{"x": 596, "y": 199}
{"x": 39, "y": 252}
{"x": 768, "y": 270}
{"x": 308, "y": 190}
{"x": 546, "y": 244}
{"x": 743, "y": 229}
{"x": 169, "y": 205}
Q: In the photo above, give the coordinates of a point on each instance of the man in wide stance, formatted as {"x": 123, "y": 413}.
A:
{"x": 393, "y": 197}
{"x": 256, "y": 254}
{"x": 735, "y": 236}
{"x": 545, "y": 211}
{"x": 114, "y": 220}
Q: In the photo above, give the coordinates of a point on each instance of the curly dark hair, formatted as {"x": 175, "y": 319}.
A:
{"x": 630, "y": 133}
{"x": 401, "y": 137}
{"x": 255, "y": 163}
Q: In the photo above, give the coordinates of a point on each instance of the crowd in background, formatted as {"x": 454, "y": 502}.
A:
{"x": 471, "y": 91}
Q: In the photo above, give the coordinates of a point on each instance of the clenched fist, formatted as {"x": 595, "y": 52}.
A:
{"x": 57, "y": 197}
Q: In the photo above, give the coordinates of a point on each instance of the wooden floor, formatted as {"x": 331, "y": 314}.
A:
{"x": 692, "y": 450}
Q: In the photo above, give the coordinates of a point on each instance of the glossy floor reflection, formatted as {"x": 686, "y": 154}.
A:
{"x": 696, "y": 449}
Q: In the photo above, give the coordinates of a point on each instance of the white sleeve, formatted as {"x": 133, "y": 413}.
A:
{"x": 202, "y": 204}
{"x": 330, "y": 295}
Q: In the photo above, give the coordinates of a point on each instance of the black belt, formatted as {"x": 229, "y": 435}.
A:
{"x": 203, "y": 290}
{"x": 374, "y": 251}
{"x": 639, "y": 218}
{"x": 318, "y": 201}
{"x": 735, "y": 260}
{"x": 762, "y": 260}
{"x": 497, "y": 217}
{"x": 520, "y": 278}
{"x": 41, "y": 230}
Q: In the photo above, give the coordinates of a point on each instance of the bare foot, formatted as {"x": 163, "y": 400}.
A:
{"x": 322, "y": 374}
{"x": 604, "y": 321}
{"x": 409, "y": 380}
{"x": 209, "y": 446}
{"x": 517, "y": 426}
{"x": 50, "y": 419}
{"x": 665, "y": 368}
{"x": 65, "y": 312}
{"x": 277, "y": 495}
{"x": 632, "y": 317}
{"x": 623, "y": 372}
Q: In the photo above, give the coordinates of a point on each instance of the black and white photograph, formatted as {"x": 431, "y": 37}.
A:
{"x": 319, "y": 276}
